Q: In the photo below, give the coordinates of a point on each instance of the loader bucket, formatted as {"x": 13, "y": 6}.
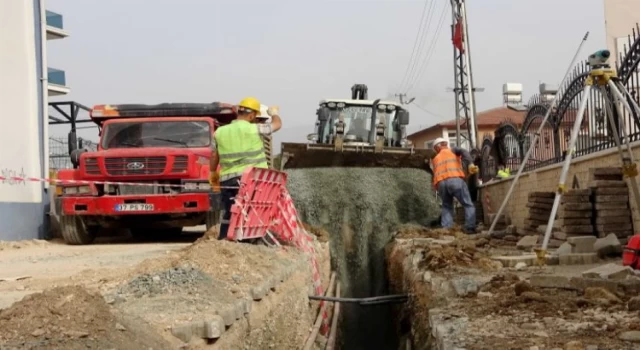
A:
{"x": 300, "y": 155}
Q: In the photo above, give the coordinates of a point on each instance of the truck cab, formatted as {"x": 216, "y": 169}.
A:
{"x": 149, "y": 174}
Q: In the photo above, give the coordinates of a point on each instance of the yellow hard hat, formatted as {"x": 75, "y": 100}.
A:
{"x": 250, "y": 103}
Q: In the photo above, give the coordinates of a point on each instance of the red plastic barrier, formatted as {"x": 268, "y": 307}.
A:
{"x": 264, "y": 205}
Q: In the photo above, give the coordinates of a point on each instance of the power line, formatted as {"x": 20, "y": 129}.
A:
{"x": 431, "y": 50}
{"x": 423, "y": 39}
{"x": 415, "y": 44}
{"x": 430, "y": 112}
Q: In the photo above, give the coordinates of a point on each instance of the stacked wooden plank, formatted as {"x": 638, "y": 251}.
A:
{"x": 539, "y": 205}
{"x": 575, "y": 214}
{"x": 613, "y": 214}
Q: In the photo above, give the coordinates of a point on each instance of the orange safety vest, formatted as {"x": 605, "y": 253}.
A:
{"x": 446, "y": 165}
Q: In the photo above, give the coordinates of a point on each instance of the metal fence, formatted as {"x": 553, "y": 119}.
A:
{"x": 510, "y": 142}
{"x": 59, "y": 151}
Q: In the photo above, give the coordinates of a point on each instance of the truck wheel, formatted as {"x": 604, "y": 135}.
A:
{"x": 75, "y": 231}
{"x": 212, "y": 219}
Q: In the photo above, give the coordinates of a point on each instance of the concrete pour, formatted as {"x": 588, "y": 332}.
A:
{"x": 469, "y": 305}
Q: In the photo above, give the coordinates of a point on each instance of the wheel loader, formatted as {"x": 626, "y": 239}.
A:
{"x": 357, "y": 132}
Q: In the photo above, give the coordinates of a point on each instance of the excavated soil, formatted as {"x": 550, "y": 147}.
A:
{"x": 71, "y": 318}
{"x": 361, "y": 208}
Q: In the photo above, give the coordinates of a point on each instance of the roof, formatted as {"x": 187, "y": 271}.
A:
{"x": 360, "y": 102}
{"x": 488, "y": 118}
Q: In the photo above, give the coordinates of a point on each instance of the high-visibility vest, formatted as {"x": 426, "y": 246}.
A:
{"x": 446, "y": 165}
{"x": 503, "y": 174}
{"x": 239, "y": 147}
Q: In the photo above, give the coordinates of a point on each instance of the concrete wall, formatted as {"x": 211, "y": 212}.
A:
{"x": 621, "y": 17}
{"x": 22, "y": 204}
{"x": 546, "y": 179}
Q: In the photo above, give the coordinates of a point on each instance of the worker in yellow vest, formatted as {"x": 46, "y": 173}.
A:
{"x": 238, "y": 146}
{"x": 503, "y": 172}
{"x": 449, "y": 182}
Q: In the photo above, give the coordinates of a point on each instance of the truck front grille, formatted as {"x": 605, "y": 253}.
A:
{"x": 127, "y": 190}
{"x": 135, "y": 165}
{"x": 91, "y": 166}
{"x": 180, "y": 164}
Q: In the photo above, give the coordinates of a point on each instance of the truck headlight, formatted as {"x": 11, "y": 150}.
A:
{"x": 76, "y": 190}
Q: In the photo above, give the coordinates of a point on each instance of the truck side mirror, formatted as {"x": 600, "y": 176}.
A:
{"x": 323, "y": 114}
{"x": 72, "y": 141}
{"x": 403, "y": 117}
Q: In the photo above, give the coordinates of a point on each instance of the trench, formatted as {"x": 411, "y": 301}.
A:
{"x": 361, "y": 208}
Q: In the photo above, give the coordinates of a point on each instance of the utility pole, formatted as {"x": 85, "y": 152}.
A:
{"x": 402, "y": 101}
{"x": 464, "y": 90}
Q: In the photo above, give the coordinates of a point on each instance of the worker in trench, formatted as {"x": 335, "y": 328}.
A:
{"x": 236, "y": 147}
{"x": 449, "y": 182}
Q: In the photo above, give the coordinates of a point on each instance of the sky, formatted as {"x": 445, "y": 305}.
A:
{"x": 294, "y": 53}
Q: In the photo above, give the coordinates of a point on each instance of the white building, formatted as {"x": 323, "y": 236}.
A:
{"x": 25, "y": 85}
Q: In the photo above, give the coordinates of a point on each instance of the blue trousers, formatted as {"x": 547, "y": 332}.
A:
{"x": 456, "y": 188}
{"x": 228, "y": 199}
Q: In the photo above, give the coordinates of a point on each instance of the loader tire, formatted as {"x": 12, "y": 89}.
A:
{"x": 75, "y": 232}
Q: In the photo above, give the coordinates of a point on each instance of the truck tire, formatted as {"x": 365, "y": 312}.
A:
{"x": 75, "y": 232}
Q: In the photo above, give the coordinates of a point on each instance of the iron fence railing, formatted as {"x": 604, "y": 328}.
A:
{"x": 59, "y": 151}
{"x": 510, "y": 143}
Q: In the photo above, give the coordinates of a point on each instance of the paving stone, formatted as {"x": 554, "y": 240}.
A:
{"x": 607, "y": 183}
{"x": 501, "y": 220}
{"x": 544, "y": 206}
{"x": 576, "y": 214}
{"x": 614, "y": 221}
{"x": 605, "y": 171}
{"x": 630, "y": 286}
{"x": 612, "y": 191}
{"x": 527, "y": 242}
{"x": 512, "y": 261}
{"x": 542, "y": 229}
{"x": 559, "y": 235}
{"x": 182, "y": 332}
{"x": 582, "y": 244}
{"x": 214, "y": 327}
{"x": 555, "y": 243}
{"x": 608, "y": 271}
{"x": 576, "y": 221}
{"x": 539, "y": 217}
{"x": 465, "y": 286}
{"x": 632, "y": 336}
{"x": 578, "y": 258}
{"x": 578, "y": 229}
{"x": 550, "y": 281}
{"x": 578, "y": 206}
{"x": 613, "y": 213}
{"x": 574, "y": 199}
{"x": 534, "y": 223}
{"x": 608, "y": 246}
{"x": 538, "y": 194}
{"x": 582, "y": 283}
{"x": 542, "y": 200}
{"x": 228, "y": 315}
{"x": 540, "y": 212}
{"x": 610, "y": 206}
{"x": 612, "y": 199}
{"x": 565, "y": 248}
{"x": 578, "y": 192}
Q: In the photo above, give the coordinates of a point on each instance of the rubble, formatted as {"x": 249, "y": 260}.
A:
{"x": 609, "y": 271}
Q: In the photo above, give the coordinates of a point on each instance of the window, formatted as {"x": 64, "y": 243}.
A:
{"x": 157, "y": 134}
{"x": 464, "y": 139}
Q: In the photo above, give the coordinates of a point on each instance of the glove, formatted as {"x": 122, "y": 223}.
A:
{"x": 214, "y": 181}
{"x": 273, "y": 110}
{"x": 473, "y": 169}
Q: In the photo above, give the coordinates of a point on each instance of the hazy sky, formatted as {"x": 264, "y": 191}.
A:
{"x": 295, "y": 53}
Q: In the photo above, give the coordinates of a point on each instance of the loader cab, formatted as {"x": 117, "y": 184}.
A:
{"x": 355, "y": 120}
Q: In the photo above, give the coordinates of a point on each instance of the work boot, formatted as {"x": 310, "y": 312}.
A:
{"x": 472, "y": 231}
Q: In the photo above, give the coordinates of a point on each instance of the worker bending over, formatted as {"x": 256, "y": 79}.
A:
{"x": 449, "y": 182}
{"x": 236, "y": 147}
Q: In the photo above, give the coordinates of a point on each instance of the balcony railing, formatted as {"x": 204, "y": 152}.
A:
{"x": 56, "y": 76}
{"x": 54, "y": 20}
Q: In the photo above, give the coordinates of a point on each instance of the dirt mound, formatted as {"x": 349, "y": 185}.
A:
{"x": 177, "y": 279}
{"x": 323, "y": 235}
{"x": 459, "y": 253}
{"x": 416, "y": 231}
{"x": 9, "y": 245}
{"x": 66, "y": 318}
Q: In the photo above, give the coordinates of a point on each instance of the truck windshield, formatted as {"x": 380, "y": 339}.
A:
{"x": 357, "y": 121}
{"x": 182, "y": 134}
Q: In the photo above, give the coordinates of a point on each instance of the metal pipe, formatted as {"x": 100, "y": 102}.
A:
{"x": 316, "y": 326}
{"x": 361, "y": 300}
{"x": 565, "y": 167}
{"x": 535, "y": 138}
{"x": 331, "y": 342}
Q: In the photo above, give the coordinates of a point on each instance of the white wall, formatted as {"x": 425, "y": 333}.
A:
{"x": 20, "y": 153}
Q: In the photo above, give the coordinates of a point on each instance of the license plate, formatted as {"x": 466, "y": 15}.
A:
{"x": 134, "y": 207}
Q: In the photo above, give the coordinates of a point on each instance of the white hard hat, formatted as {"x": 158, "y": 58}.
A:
{"x": 438, "y": 141}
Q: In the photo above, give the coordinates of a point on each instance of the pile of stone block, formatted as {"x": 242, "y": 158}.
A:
{"x": 539, "y": 205}
{"x": 578, "y": 250}
{"x": 613, "y": 214}
{"x": 574, "y": 215}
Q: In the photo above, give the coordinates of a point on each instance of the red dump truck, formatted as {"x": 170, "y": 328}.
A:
{"x": 149, "y": 174}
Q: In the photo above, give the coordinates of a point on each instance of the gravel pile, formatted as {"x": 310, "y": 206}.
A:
{"x": 177, "y": 279}
{"x": 361, "y": 208}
